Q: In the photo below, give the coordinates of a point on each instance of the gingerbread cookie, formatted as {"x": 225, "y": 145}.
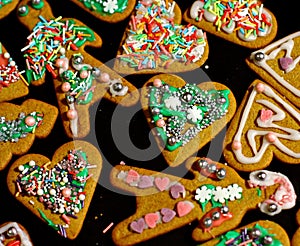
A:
{"x": 12, "y": 83}
{"x": 156, "y": 42}
{"x": 20, "y": 125}
{"x": 185, "y": 116}
{"x": 79, "y": 79}
{"x": 216, "y": 197}
{"x": 278, "y": 65}
{"x": 108, "y": 10}
{"x": 6, "y": 6}
{"x": 265, "y": 124}
{"x": 58, "y": 191}
{"x": 13, "y": 234}
{"x": 262, "y": 232}
{"x": 246, "y": 23}
{"x": 296, "y": 238}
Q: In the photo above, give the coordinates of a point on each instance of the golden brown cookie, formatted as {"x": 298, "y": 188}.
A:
{"x": 79, "y": 79}
{"x": 217, "y": 197}
{"x": 278, "y": 65}
{"x": 296, "y": 237}
{"x": 12, "y": 83}
{"x": 13, "y": 233}
{"x": 20, "y": 125}
{"x": 65, "y": 185}
{"x": 265, "y": 124}
{"x": 246, "y": 23}
{"x": 110, "y": 11}
{"x": 185, "y": 116}
{"x": 6, "y": 6}
{"x": 155, "y": 41}
{"x": 262, "y": 232}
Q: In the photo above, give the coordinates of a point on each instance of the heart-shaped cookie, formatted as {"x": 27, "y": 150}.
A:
{"x": 6, "y": 7}
{"x": 79, "y": 79}
{"x": 107, "y": 10}
{"x": 156, "y": 42}
{"x": 265, "y": 124}
{"x": 19, "y": 125}
{"x": 186, "y": 116}
{"x": 65, "y": 185}
{"x": 246, "y": 23}
{"x": 12, "y": 83}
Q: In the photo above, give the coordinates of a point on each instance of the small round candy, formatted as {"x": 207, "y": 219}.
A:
{"x": 12, "y": 63}
{"x": 255, "y": 233}
{"x": 202, "y": 163}
{"x": 236, "y": 145}
{"x": 23, "y": 10}
{"x": 221, "y": 100}
{"x": 21, "y": 168}
{"x": 35, "y": 1}
{"x": 61, "y": 210}
{"x": 165, "y": 87}
{"x": 65, "y": 87}
{"x": 272, "y": 207}
{"x": 76, "y": 210}
{"x": 268, "y": 240}
{"x": 6, "y": 55}
{"x": 271, "y": 137}
{"x": 65, "y": 179}
{"x": 259, "y": 56}
{"x": 84, "y": 74}
{"x": 221, "y": 173}
{"x": 96, "y": 72}
{"x": 81, "y": 197}
{"x": 216, "y": 215}
{"x": 224, "y": 209}
{"x": 157, "y": 83}
{"x": 117, "y": 87}
{"x": 31, "y": 163}
{"x": 155, "y": 111}
{"x": 172, "y": 140}
{"x": 2, "y": 237}
{"x": 12, "y": 232}
{"x": 104, "y": 77}
{"x": 66, "y": 192}
{"x": 70, "y": 99}
{"x": 52, "y": 192}
{"x": 30, "y": 121}
{"x": 211, "y": 168}
{"x": 207, "y": 222}
{"x": 260, "y": 87}
{"x": 187, "y": 97}
{"x": 62, "y": 50}
{"x": 77, "y": 59}
{"x": 160, "y": 123}
{"x": 72, "y": 114}
{"x": 261, "y": 175}
{"x": 40, "y": 192}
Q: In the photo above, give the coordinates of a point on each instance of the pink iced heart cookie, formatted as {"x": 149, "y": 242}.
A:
{"x": 151, "y": 219}
{"x": 176, "y": 190}
{"x": 167, "y": 214}
{"x": 162, "y": 183}
{"x": 138, "y": 226}
{"x": 132, "y": 176}
{"x": 266, "y": 114}
{"x": 285, "y": 62}
{"x": 184, "y": 207}
{"x": 145, "y": 182}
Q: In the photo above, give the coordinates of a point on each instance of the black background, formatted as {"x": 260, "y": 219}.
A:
{"x": 225, "y": 65}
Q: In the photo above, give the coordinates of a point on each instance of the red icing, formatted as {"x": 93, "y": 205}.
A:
{"x": 205, "y": 172}
{"x": 3, "y": 60}
{"x": 14, "y": 243}
{"x": 215, "y": 223}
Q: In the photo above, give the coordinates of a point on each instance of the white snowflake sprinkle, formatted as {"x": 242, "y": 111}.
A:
{"x": 203, "y": 194}
{"x": 194, "y": 114}
{"x": 220, "y": 194}
{"x": 110, "y": 6}
{"x": 172, "y": 103}
{"x": 235, "y": 192}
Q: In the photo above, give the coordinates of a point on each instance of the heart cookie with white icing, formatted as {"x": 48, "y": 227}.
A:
{"x": 216, "y": 196}
{"x": 156, "y": 42}
{"x": 265, "y": 125}
{"x": 185, "y": 116}
{"x": 107, "y": 10}
{"x": 58, "y": 192}
{"x": 246, "y": 23}
{"x": 79, "y": 79}
{"x": 278, "y": 65}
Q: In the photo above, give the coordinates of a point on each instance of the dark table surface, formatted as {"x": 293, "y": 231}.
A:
{"x": 225, "y": 65}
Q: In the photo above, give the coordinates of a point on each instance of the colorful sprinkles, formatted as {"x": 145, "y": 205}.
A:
{"x": 248, "y": 17}
{"x": 61, "y": 188}
{"x": 49, "y": 41}
{"x": 154, "y": 40}
{"x": 14, "y": 130}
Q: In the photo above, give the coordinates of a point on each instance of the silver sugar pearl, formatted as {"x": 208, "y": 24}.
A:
{"x": 96, "y": 72}
{"x": 221, "y": 173}
{"x": 22, "y": 9}
{"x": 216, "y": 215}
{"x": 202, "y": 164}
{"x": 211, "y": 168}
{"x": 155, "y": 111}
{"x": 255, "y": 233}
{"x": 165, "y": 87}
{"x": 117, "y": 87}
{"x": 272, "y": 207}
{"x": 224, "y": 209}
{"x": 172, "y": 140}
{"x": 35, "y": 2}
{"x": 207, "y": 222}
{"x": 268, "y": 240}
{"x": 221, "y": 100}
{"x": 261, "y": 175}
{"x": 259, "y": 56}
{"x": 77, "y": 60}
{"x": 187, "y": 97}
{"x": 2, "y": 237}
{"x": 11, "y": 232}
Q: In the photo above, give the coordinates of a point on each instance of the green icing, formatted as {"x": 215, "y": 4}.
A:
{"x": 50, "y": 222}
{"x": 185, "y": 118}
{"x": 4, "y": 2}
{"x": 106, "y": 7}
{"x": 238, "y": 239}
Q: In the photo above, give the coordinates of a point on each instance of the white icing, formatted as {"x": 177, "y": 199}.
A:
{"x": 267, "y": 29}
{"x": 209, "y": 16}
{"x": 286, "y": 44}
{"x": 250, "y": 37}
{"x": 284, "y": 196}
{"x": 229, "y": 29}
{"x": 74, "y": 122}
{"x": 195, "y": 9}
{"x": 25, "y": 241}
{"x": 290, "y": 134}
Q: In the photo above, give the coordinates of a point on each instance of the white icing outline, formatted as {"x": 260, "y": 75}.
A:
{"x": 293, "y": 134}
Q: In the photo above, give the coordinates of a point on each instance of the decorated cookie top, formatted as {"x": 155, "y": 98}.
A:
{"x": 245, "y": 21}
{"x": 12, "y": 233}
{"x": 156, "y": 41}
{"x": 217, "y": 201}
{"x": 6, "y": 6}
